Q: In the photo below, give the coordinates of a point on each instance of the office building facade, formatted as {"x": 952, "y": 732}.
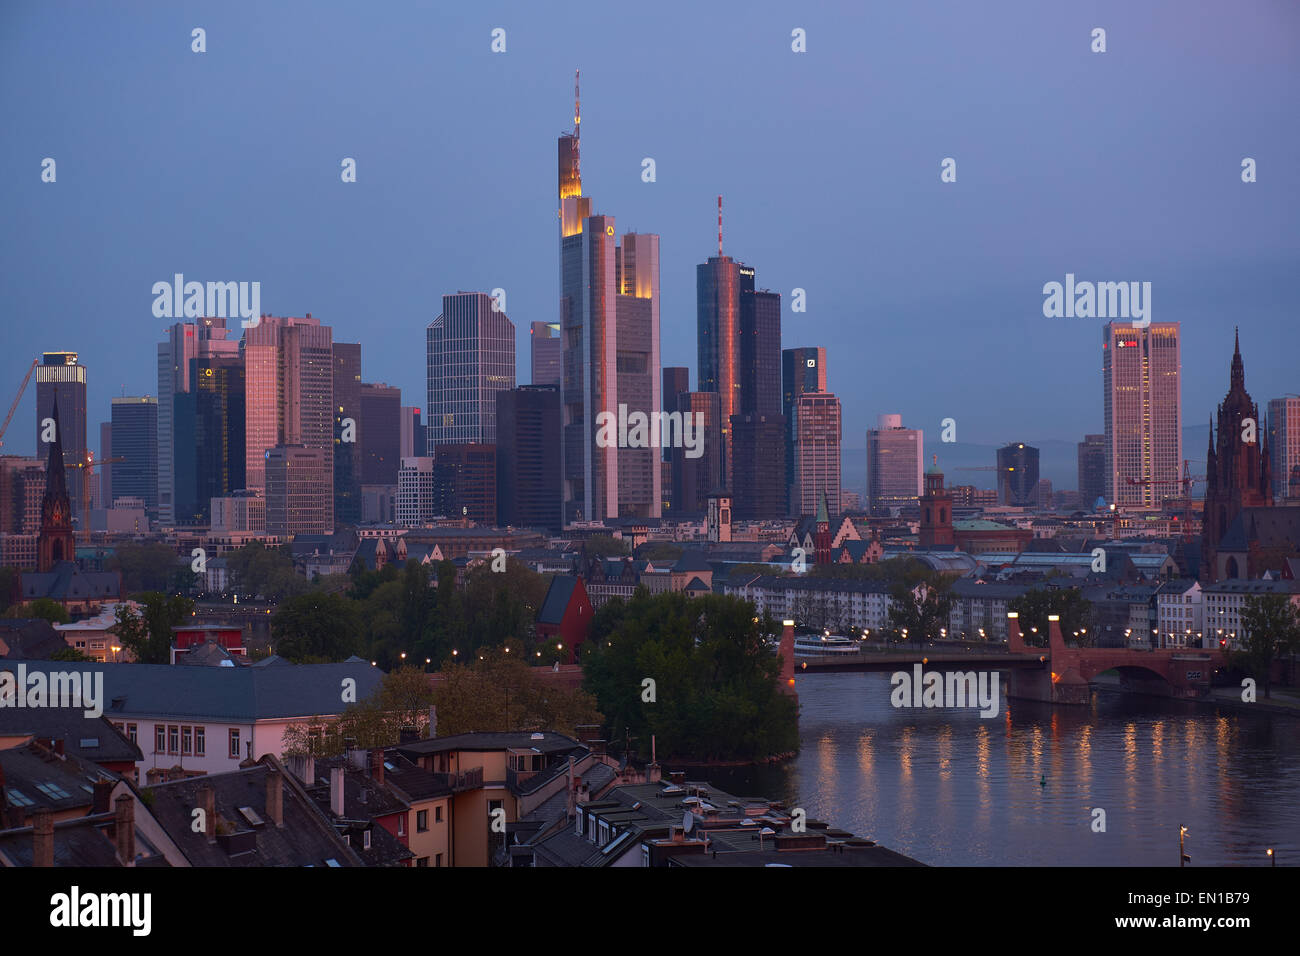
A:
{"x": 527, "y": 466}
{"x": 299, "y": 498}
{"x": 817, "y": 431}
{"x": 1284, "y": 441}
{"x": 134, "y": 430}
{"x": 546, "y": 353}
{"x": 1092, "y": 470}
{"x": 1143, "y": 412}
{"x": 1018, "y": 475}
{"x": 894, "y": 464}
{"x": 379, "y": 433}
{"x": 347, "y": 425}
{"x": 470, "y": 357}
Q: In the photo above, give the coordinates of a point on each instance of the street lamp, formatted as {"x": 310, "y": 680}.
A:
{"x": 1272, "y": 857}
{"x": 1183, "y": 858}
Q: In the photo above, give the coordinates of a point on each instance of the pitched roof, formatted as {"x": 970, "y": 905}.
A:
{"x": 557, "y": 599}
{"x": 226, "y": 693}
{"x": 91, "y": 738}
{"x": 307, "y": 837}
{"x": 66, "y": 582}
{"x": 1274, "y": 527}
{"x": 549, "y": 742}
{"x": 29, "y": 639}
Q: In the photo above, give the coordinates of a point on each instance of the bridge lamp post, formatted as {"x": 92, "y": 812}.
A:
{"x": 1272, "y": 857}
{"x": 1183, "y": 858}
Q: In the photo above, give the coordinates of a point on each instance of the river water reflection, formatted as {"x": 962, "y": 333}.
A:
{"x": 950, "y": 788}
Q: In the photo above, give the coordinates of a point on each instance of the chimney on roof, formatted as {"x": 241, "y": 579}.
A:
{"x": 42, "y": 837}
{"x": 101, "y": 797}
{"x": 336, "y": 791}
{"x": 377, "y": 765}
{"x": 208, "y": 804}
{"x": 433, "y": 721}
{"x": 57, "y": 744}
{"x": 125, "y": 827}
{"x": 572, "y": 787}
{"x": 275, "y": 797}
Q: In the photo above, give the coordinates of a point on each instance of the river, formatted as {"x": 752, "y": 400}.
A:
{"x": 950, "y": 788}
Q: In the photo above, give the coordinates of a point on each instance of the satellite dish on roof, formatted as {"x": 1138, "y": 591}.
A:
{"x": 688, "y": 821}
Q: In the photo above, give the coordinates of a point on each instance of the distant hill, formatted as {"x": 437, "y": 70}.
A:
{"x": 1057, "y": 462}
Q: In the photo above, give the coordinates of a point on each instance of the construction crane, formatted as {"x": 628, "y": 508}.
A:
{"x": 1185, "y": 499}
{"x": 86, "y": 468}
{"x": 17, "y": 398}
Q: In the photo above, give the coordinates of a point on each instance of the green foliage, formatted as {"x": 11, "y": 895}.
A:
{"x": 659, "y": 551}
{"x": 1035, "y": 606}
{"x": 148, "y": 635}
{"x": 69, "y": 654}
{"x": 316, "y": 627}
{"x": 923, "y": 608}
{"x": 605, "y": 546}
{"x": 401, "y": 700}
{"x": 716, "y": 693}
{"x": 1271, "y": 625}
{"x": 46, "y": 608}
{"x": 148, "y": 566}
{"x": 501, "y": 692}
{"x": 266, "y": 572}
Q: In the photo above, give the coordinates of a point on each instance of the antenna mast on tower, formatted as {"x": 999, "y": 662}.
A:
{"x": 719, "y": 227}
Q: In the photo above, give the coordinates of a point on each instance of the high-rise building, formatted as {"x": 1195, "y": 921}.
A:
{"x": 717, "y": 303}
{"x": 347, "y": 423}
{"x": 423, "y": 492}
{"x": 289, "y": 383}
{"x": 1018, "y": 475}
{"x": 471, "y": 472}
{"x": 471, "y": 357}
{"x": 695, "y": 479}
{"x": 894, "y": 462}
{"x": 547, "y": 355}
{"x": 379, "y": 433}
{"x": 609, "y": 326}
{"x": 758, "y": 489}
{"x": 1284, "y": 441}
{"x": 61, "y": 378}
{"x": 413, "y": 441}
{"x": 205, "y": 338}
{"x": 1238, "y": 472}
{"x": 22, "y": 486}
{"x": 1143, "y": 407}
{"x": 299, "y": 498}
{"x": 760, "y": 348}
{"x": 802, "y": 370}
{"x": 1092, "y": 470}
{"x": 676, "y": 381}
{"x": 817, "y": 435}
{"x": 135, "y": 439}
{"x": 209, "y": 424}
{"x": 527, "y": 468}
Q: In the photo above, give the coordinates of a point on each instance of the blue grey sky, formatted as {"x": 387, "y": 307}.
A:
{"x": 1123, "y": 165}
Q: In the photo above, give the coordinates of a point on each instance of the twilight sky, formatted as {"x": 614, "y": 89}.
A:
{"x": 224, "y": 165}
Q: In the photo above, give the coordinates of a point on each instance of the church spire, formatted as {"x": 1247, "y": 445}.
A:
{"x": 1238, "y": 369}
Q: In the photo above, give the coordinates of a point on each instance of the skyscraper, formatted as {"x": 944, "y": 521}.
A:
{"x": 61, "y": 378}
{"x": 1017, "y": 475}
{"x": 547, "y": 356}
{"x": 894, "y": 463}
{"x": 528, "y": 470}
{"x": 471, "y": 357}
{"x": 206, "y": 338}
{"x": 802, "y": 370}
{"x": 347, "y": 454}
{"x": 413, "y": 440}
{"x": 209, "y": 423}
{"x": 379, "y": 433}
{"x": 817, "y": 453}
{"x": 298, "y": 490}
{"x": 760, "y": 348}
{"x": 609, "y": 326}
{"x": 1284, "y": 441}
{"x": 717, "y": 303}
{"x": 135, "y": 439}
{"x": 1143, "y": 408}
{"x": 694, "y": 479}
{"x": 105, "y": 472}
{"x": 289, "y": 382}
{"x": 1092, "y": 469}
{"x": 758, "y": 489}
{"x": 471, "y": 470}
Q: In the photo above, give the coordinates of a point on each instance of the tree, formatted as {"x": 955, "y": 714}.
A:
{"x": 69, "y": 654}
{"x": 659, "y": 551}
{"x": 1035, "y": 605}
{"x": 401, "y": 701}
{"x": 922, "y": 609}
{"x": 267, "y": 572}
{"x": 10, "y": 586}
{"x": 148, "y": 566}
{"x": 46, "y": 608}
{"x": 1271, "y": 626}
{"x": 315, "y": 627}
{"x": 715, "y": 693}
{"x": 148, "y": 635}
{"x": 605, "y": 546}
{"x": 501, "y": 692}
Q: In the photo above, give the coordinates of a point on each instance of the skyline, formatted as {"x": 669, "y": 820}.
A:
{"x": 1173, "y": 203}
